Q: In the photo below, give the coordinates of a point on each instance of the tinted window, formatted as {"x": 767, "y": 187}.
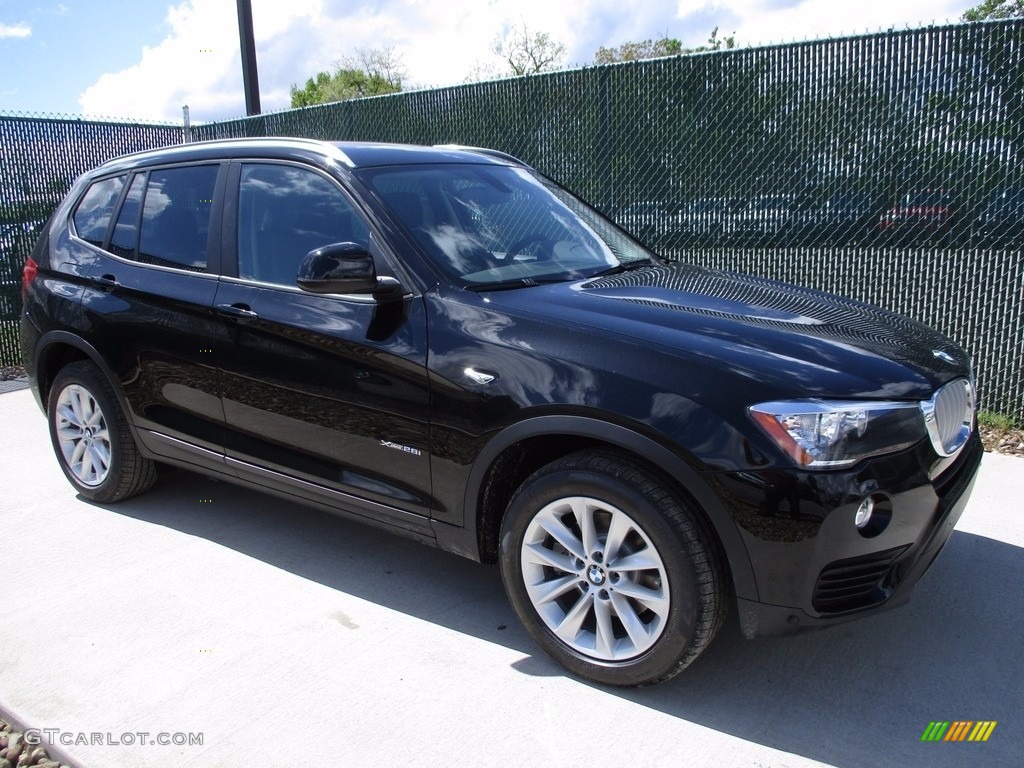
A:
{"x": 283, "y": 214}
{"x": 126, "y": 231}
{"x": 496, "y": 224}
{"x": 176, "y": 217}
{"x": 92, "y": 217}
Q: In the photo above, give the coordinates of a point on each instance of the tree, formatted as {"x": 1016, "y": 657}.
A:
{"x": 648, "y": 49}
{"x": 527, "y": 52}
{"x": 995, "y": 9}
{"x": 666, "y": 46}
{"x": 367, "y": 72}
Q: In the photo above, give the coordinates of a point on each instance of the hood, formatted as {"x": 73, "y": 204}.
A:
{"x": 794, "y": 340}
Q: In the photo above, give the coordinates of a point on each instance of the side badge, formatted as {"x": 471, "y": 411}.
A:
{"x": 944, "y": 356}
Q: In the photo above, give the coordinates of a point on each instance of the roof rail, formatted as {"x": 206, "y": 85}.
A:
{"x": 484, "y": 151}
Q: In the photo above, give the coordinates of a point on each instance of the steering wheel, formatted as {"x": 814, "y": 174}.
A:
{"x": 523, "y": 242}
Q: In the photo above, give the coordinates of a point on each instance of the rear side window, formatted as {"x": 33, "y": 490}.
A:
{"x": 126, "y": 231}
{"x": 176, "y": 217}
{"x": 93, "y": 214}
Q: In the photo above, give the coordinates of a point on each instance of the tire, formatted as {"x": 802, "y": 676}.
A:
{"x": 91, "y": 439}
{"x": 633, "y": 625}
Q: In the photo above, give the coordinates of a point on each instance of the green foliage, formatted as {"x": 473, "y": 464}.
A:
{"x": 370, "y": 72}
{"x": 998, "y": 421}
{"x": 665, "y": 46}
{"x": 632, "y": 51}
{"x": 995, "y": 9}
{"x": 528, "y": 53}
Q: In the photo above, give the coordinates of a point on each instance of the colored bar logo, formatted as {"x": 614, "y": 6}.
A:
{"x": 958, "y": 730}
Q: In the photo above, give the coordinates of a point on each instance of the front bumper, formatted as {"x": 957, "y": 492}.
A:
{"x": 813, "y": 566}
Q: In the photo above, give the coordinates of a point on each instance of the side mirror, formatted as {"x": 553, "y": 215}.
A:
{"x": 344, "y": 268}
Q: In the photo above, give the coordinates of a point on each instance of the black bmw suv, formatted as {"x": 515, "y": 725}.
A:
{"x": 443, "y": 342}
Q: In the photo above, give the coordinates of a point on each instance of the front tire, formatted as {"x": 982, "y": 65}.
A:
{"x": 613, "y": 576}
{"x": 91, "y": 439}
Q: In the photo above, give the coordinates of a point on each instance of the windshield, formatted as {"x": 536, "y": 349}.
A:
{"x": 492, "y": 226}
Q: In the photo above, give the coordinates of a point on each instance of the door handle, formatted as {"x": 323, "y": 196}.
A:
{"x": 239, "y": 311}
{"x": 106, "y": 282}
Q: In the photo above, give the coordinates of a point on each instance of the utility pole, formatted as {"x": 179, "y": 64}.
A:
{"x": 250, "y": 78}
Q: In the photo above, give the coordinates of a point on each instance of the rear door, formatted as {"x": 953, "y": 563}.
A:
{"x": 324, "y": 396}
{"x": 148, "y": 303}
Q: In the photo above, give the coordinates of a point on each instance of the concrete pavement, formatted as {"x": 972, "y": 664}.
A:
{"x": 279, "y": 636}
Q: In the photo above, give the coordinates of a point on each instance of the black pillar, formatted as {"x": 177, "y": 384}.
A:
{"x": 250, "y": 79}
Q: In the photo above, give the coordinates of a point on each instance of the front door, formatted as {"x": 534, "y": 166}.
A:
{"x": 327, "y": 395}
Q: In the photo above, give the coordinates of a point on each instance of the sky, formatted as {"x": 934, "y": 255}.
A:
{"x": 145, "y": 59}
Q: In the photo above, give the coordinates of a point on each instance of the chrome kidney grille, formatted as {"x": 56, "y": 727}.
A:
{"x": 949, "y": 416}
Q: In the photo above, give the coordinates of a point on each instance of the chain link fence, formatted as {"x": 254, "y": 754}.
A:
{"x": 39, "y": 159}
{"x": 885, "y": 167}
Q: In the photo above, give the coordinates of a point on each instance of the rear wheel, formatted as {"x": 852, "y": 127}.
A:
{"x": 91, "y": 438}
{"x": 612, "y": 575}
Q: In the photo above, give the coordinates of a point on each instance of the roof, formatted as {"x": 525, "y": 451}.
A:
{"x": 346, "y": 153}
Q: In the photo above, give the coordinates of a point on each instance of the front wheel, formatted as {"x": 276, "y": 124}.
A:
{"x": 91, "y": 438}
{"x": 613, "y": 576}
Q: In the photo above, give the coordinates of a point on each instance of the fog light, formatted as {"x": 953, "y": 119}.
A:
{"x": 864, "y": 512}
{"x": 873, "y": 515}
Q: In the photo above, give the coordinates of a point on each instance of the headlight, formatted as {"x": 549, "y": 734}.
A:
{"x": 822, "y": 434}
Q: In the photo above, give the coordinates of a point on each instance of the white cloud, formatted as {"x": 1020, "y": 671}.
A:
{"x": 198, "y": 64}
{"x": 440, "y": 41}
{"x": 15, "y": 30}
{"x": 774, "y": 21}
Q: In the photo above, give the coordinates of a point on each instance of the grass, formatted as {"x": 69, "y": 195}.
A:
{"x": 997, "y": 421}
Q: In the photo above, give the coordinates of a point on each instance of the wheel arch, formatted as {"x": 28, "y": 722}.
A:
{"x": 507, "y": 460}
{"x": 57, "y": 349}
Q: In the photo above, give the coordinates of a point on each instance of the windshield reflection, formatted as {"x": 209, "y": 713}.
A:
{"x": 500, "y": 226}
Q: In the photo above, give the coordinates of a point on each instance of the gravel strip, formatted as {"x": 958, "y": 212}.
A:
{"x": 8, "y": 372}
{"x": 15, "y": 752}
{"x": 1008, "y": 441}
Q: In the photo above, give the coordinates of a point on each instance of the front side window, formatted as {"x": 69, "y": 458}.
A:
{"x": 92, "y": 216}
{"x": 176, "y": 217}
{"x": 285, "y": 212}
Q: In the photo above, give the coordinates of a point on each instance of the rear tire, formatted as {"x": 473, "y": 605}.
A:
{"x": 614, "y": 576}
{"x": 91, "y": 439}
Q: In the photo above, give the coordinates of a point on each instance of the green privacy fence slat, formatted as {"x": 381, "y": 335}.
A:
{"x": 39, "y": 160}
{"x": 887, "y": 167}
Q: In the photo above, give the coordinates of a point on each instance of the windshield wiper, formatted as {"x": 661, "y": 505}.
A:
{"x": 521, "y": 282}
{"x": 618, "y": 269}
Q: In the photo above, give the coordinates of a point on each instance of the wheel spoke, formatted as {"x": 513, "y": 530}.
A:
{"x": 101, "y": 457}
{"x": 68, "y": 433}
{"x": 656, "y": 600}
{"x": 557, "y": 530}
{"x": 541, "y": 555}
{"x": 67, "y": 417}
{"x": 77, "y": 407}
{"x": 644, "y": 560}
{"x": 77, "y": 451}
{"x": 617, "y": 532}
{"x": 85, "y": 469}
{"x": 547, "y": 591}
{"x": 605, "y": 645}
{"x": 635, "y": 628}
{"x": 583, "y": 510}
{"x": 569, "y": 628}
